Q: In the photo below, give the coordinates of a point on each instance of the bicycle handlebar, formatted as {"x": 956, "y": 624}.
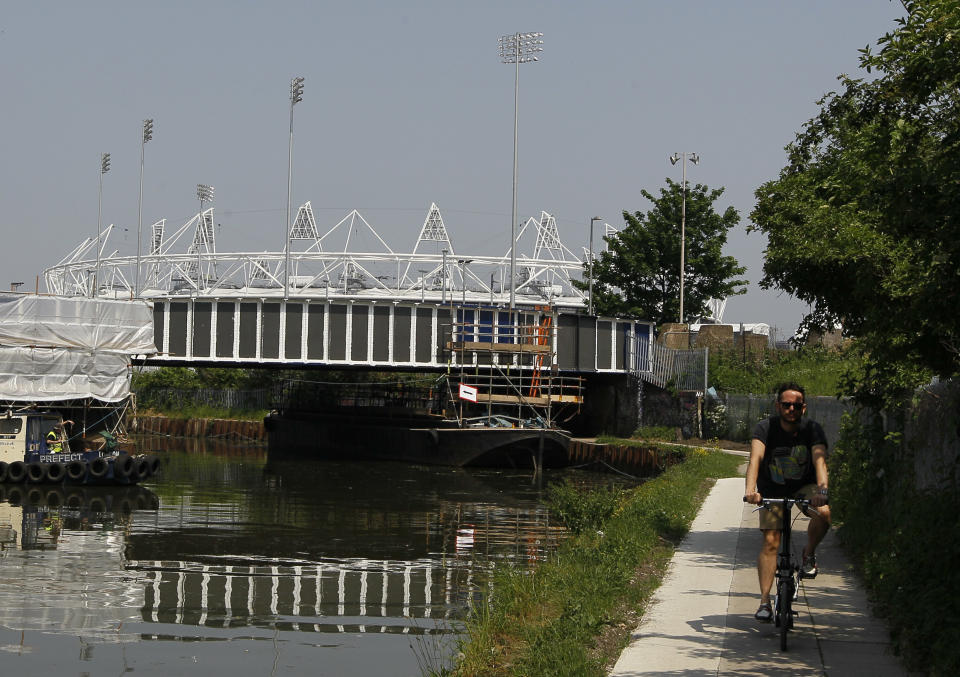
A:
{"x": 767, "y": 502}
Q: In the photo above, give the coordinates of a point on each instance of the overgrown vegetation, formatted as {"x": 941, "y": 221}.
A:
{"x": 819, "y": 370}
{"x": 660, "y": 433}
{"x": 906, "y": 544}
{"x": 552, "y": 620}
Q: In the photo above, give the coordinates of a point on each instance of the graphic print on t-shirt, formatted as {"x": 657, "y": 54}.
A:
{"x": 788, "y": 463}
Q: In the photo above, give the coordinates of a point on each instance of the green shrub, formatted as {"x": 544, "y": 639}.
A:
{"x": 821, "y": 371}
{"x": 662, "y": 433}
{"x": 581, "y": 510}
{"x": 905, "y": 543}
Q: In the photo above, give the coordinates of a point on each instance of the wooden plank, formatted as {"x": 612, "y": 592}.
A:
{"x": 470, "y": 346}
{"x": 517, "y": 399}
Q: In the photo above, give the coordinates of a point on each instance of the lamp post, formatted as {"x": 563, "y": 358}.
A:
{"x": 104, "y": 168}
{"x": 674, "y": 159}
{"x": 463, "y": 263}
{"x": 204, "y": 194}
{"x": 147, "y": 135}
{"x": 590, "y": 303}
{"x": 443, "y": 278}
{"x": 517, "y": 49}
{"x": 423, "y": 284}
{"x": 296, "y": 96}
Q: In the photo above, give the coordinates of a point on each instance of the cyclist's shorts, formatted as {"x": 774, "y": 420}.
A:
{"x": 770, "y": 517}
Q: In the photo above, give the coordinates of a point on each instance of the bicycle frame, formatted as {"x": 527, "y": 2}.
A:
{"x": 788, "y": 570}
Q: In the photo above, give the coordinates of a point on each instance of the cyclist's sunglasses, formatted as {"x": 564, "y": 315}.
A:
{"x": 792, "y": 405}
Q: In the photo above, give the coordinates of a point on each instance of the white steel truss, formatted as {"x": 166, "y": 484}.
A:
{"x": 432, "y": 230}
{"x": 304, "y": 226}
{"x": 349, "y": 260}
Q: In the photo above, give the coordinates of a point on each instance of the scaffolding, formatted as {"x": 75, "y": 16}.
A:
{"x": 511, "y": 369}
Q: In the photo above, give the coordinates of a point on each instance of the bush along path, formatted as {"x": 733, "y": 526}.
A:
{"x": 572, "y": 614}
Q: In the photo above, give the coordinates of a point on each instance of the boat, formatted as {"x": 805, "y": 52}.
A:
{"x": 65, "y": 389}
{"x": 36, "y": 448}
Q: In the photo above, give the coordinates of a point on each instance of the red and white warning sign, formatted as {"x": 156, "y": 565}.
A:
{"x": 468, "y": 393}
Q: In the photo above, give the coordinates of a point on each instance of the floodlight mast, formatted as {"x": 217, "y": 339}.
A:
{"x": 674, "y": 159}
{"x": 296, "y": 96}
{"x": 104, "y": 168}
{"x": 204, "y": 194}
{"x": 147, "y": 135}
{"x": 517, "y": 49}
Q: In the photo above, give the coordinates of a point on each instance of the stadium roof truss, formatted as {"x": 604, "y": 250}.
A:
{"x": 349, "y": 259}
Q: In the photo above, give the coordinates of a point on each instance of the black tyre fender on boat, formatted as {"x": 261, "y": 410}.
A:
{"x": 14, "y": 494}
{"x": 36, "y": 472}
{"x": 142, "y": 471}
{"x": 124, "y": 466}
{"x": 98, "y": 468}
{"x": 56, "y": 471}
{"x": 16, "y": 472}
{"x": 154, "y": 462}
{"x": 3, "y": 471}
{"x": 76, "y": 470}
{"x": 74, "y": 499}
{"x": 35, "y": 496}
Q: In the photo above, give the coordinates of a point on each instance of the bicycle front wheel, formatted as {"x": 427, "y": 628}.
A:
{"x": 784, "y": 610}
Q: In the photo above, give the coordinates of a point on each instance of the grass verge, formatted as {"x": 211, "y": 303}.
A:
{"x": 572, "y": 614}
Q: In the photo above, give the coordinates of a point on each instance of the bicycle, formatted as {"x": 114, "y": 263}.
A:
{"x": 788, "y": 573}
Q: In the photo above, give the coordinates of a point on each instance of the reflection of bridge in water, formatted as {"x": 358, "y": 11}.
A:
{"x": 91, "y": 549}
{"x": 352, "y": 596}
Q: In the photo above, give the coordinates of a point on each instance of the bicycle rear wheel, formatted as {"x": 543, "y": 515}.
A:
{"x": 784, "y": 609}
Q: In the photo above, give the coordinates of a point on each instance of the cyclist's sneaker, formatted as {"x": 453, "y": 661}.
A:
{"x": 764, "y": 613}
{"x": 809, "y": 567}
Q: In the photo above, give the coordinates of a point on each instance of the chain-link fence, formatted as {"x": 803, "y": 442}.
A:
{"x": 733, "y": 417}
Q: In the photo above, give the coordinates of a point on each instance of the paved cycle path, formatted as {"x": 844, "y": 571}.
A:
{"x": 700, "y": 621}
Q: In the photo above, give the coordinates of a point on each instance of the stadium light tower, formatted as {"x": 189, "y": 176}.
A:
{"x": 590, "y": 304}
{"x": 147, "y": 135}
{"x": 104, "y": 168}
{"x": 517, "y": 49}
{"x": 204, "y": 194}
{"x": 674, "y": 159}
{"x": 296, "y": 96}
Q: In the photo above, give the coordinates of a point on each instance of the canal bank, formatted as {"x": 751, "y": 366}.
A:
{"x": 214, "y": 428}
{"x": 572, "y": 613}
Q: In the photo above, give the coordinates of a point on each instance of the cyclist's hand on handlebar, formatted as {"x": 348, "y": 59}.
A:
{"x": 753, "y": 498}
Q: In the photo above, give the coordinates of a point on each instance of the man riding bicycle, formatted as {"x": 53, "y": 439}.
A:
{"x": 788, "y": 459}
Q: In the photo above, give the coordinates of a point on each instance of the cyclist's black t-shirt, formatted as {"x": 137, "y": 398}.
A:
{"x": 787, "y": 463}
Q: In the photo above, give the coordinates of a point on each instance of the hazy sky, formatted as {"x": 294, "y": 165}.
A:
{"x": 405, "y": 103}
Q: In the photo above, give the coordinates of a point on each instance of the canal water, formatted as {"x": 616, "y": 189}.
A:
{"x": 230, "y": 562}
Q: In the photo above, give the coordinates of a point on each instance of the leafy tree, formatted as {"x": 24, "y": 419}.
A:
{"x": 863, "y": 222}
{"x": 638, "y": 274}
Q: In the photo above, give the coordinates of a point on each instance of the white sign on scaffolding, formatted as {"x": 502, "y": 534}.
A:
{"x": 468, "y": 393}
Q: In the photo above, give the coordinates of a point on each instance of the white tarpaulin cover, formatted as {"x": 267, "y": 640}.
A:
{"x": 64, "y": 348}
{"x": 51, "y": 374}
{"x": 76, "y": 322}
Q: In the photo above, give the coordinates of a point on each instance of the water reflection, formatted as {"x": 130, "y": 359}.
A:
{"x": 334, "y": 565}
